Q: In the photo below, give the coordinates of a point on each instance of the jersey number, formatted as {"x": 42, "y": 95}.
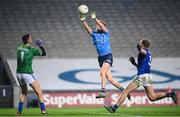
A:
{"x": 150, "y": 60}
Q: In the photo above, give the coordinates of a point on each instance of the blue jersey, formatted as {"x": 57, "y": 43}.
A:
{"x": 101, "y": 43}
{"x": 144, "y": 63}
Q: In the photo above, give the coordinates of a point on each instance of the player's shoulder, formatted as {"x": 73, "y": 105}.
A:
{"x": 107, "y": 33}
{"x": 33, "y": 48}
{"x": 96, "y": 33}
{"x": 20, "y": 46}
{"x": 148, "y": 51}
{"x": 144, "y": 51}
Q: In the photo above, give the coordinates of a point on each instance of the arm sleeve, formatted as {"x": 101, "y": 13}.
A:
{"x": 43, "y": 51}
{"x": 37, "y": 52}
{"x": 92, "y": 34}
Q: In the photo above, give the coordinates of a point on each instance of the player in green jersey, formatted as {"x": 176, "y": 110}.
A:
{"x": 25, "y": 74}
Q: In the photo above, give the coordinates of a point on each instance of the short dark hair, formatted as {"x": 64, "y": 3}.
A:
{"x": 25, "y": 38}
{"x": 146, "y": 43}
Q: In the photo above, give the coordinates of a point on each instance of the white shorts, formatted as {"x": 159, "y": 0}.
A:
{"x": 144, "y": 80}
{"x": 26, "y": 79}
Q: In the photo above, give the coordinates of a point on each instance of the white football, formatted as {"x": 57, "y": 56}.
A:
{"x": 83, "y": 9}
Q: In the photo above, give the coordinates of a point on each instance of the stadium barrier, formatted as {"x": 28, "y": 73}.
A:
{"x": 61, "y": 99}
{"x": 6, "y": 96}
{"x": 83, "y": 74}
{"x": 9, "y": 91}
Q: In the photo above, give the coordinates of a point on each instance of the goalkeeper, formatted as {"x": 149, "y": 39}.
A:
{"x": 100, "y": 39}
{"x": 25, "y": 75}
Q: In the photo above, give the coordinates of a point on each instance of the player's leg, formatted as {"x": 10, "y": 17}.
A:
{"x": 36, "y": 87}
{"x": 105, "y": 67}
{"x": 131, "y": 87}
{"x": 23, "y": 94}
{"x": 22, "y": 98}
{"x": 153, "y": 96}
{"x": 115, "y": 82}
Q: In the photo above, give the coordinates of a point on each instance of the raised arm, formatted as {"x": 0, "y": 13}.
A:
{"x": 85, "y": 24}
{"x": 87, "y": 27}
{"x": 99, "y": 22}
{"x": 39, "y": 43}
{"x": 140, "y": 49}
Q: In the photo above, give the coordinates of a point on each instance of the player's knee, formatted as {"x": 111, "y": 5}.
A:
{"x": 125, "y": 92}
{"x": 152, "y": 98}
{"x": 24, "y": 93}
{"x": 102, "y": 74}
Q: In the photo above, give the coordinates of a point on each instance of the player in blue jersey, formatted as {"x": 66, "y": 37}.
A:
{"x": 143, "y": 78}
{"x": 100, "y": 40}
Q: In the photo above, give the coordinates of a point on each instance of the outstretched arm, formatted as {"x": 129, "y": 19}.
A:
{"x": 100, "y": 24}
{"x": 39, "y": 43}
{"x": 85, "y": 24}
{"x": 132, "y": 60}
{"x": 87, "y": 27}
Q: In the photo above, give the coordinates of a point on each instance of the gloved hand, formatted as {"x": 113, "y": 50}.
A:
{"x": 132, "y": 60}
{"x": 39, "y": 42}
{"x": 93, "y": 15}
{"x": 82, "y": 17}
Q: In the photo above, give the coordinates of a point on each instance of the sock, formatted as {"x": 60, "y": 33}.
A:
{"x": 42, "y": 106}
{"x": 114, "y": 107}
{"x": 103, "y": 89}
{"x": 20, "y": 107}
{"x": 168, "y": 94}
{"x": 121, "y": 88}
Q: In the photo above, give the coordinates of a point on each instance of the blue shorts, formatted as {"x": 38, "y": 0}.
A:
{"x": 108, "y": 58}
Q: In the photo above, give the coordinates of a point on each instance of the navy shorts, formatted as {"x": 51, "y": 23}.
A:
{"x": 108, "y": 58}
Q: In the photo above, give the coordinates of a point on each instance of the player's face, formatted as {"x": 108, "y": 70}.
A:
{"x": 139, "y": 45}
{"x": 30, "y": 39}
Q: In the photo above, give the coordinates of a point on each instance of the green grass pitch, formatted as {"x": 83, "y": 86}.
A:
{"x": 98, "y": 112}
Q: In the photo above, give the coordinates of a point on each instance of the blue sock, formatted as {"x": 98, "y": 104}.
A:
{"x": 42, "y": 106}
{"x": 114, "y": 107}
{"x": 20, "y": 107}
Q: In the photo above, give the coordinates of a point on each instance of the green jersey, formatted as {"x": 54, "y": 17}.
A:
{"x": 25, "y": 54}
